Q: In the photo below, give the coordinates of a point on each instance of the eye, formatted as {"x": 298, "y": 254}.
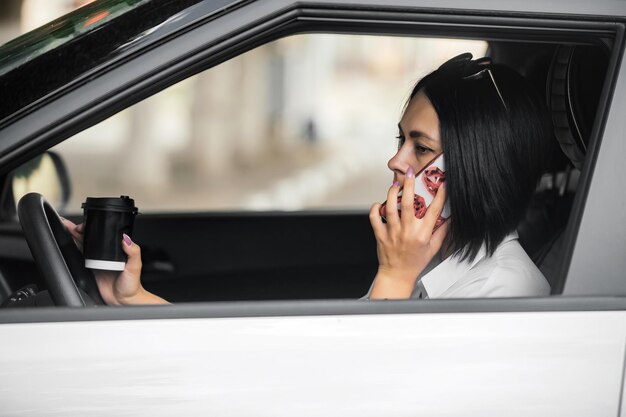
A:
{"x": 422, "y": 150}
{"x": 400, "y": 141}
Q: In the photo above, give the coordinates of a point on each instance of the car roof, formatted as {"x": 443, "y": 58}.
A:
{"x": 81, "y": 40}
{"x": 56, "y": 33}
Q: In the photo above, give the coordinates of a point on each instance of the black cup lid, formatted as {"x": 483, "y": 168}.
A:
{"x": 123, "y": 203}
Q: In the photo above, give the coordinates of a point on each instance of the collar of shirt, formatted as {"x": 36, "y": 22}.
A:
{"x": 451, "y": 269}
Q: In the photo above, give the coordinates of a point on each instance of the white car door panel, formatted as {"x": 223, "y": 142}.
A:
{"x": 470, "y": 364}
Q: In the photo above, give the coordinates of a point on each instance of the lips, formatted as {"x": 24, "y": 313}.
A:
{"x": 433, "y": 178}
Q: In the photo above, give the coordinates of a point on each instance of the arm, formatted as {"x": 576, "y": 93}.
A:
{"x": 405, "y": 244}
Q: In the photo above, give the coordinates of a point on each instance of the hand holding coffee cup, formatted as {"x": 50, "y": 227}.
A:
{"x": 105, "y": 221}
{"x": 115, "y": 287}
{"x": 119, "y": 287}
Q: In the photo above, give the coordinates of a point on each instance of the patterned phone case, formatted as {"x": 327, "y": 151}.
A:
{"x": 427, "y": 182}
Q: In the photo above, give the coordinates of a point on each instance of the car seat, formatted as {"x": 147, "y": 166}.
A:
{"x": 574, "y": 83}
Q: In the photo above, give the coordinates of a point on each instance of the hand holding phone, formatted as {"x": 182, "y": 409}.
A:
{"x": 427, "y": 182}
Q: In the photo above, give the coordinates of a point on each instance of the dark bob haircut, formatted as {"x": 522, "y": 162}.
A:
{"x": 496, "y": 137}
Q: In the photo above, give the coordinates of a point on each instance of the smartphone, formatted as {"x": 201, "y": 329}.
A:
{"x": 427, "y": 182}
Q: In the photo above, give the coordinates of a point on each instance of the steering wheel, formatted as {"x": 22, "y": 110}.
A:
{"x": 56, "y": 255}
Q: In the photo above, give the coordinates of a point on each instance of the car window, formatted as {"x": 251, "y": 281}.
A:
{"x": 304, "y": 122}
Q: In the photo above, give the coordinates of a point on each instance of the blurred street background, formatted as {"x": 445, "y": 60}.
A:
{"x": 304, "y": 122}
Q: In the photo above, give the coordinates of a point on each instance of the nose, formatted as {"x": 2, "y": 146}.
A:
{"x": 399, "y": 164}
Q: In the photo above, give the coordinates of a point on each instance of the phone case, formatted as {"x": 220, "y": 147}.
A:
{"x": 427, "y": 182}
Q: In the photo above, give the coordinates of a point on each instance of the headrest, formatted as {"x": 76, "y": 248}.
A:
{"x": 575, "y": 81}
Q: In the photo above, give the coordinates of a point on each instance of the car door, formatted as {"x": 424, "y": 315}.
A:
{"x": 558, "y": 355}
{"x": 333, "y": 358}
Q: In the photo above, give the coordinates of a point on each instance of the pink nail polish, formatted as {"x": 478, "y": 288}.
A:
{"x": 410, "y": 173}
{"x": 396, "y": 184}
{"x": 127, "y": 240}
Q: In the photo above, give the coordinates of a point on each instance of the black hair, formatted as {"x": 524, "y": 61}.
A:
{"x": 496, "y": 142}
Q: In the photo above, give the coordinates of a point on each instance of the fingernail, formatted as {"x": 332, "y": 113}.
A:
{"x": 396, "y": 184}
{"x": 127, "y": 239}
{"x": 410, "y": 173}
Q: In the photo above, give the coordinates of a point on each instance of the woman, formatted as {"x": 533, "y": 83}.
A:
{"x": 493, "y": 132}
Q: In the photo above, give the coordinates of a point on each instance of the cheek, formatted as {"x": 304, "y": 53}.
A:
{"x": 422, "y": 161}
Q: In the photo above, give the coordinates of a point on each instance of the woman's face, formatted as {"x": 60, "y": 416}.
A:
{"x": 418, "y": 140}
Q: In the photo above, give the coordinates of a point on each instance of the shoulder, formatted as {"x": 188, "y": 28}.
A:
{"x": 511, "y": 273}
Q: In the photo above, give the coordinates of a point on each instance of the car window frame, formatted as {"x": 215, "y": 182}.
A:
{"x": 204, "y": 46}
{"x": 313, "y": 308}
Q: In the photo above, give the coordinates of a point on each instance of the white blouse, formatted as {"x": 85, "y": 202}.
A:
{"x": 509, "y": 272}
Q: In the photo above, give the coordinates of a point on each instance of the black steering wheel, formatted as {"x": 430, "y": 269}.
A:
{"x": 56, "y": 255}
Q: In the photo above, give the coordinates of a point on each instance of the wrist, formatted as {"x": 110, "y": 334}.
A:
{"x": 392, "y": 285}
{"x": 130, "y": 299}
{"x": 142, "y": 296}
{"x": 401, "y": 276}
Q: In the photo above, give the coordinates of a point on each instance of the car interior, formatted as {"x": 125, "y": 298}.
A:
{"x": 572, "y": 77}
{"x": 332, "y": 255}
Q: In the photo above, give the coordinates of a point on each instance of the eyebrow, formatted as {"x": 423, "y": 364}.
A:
{"x": 417, "y": 134}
